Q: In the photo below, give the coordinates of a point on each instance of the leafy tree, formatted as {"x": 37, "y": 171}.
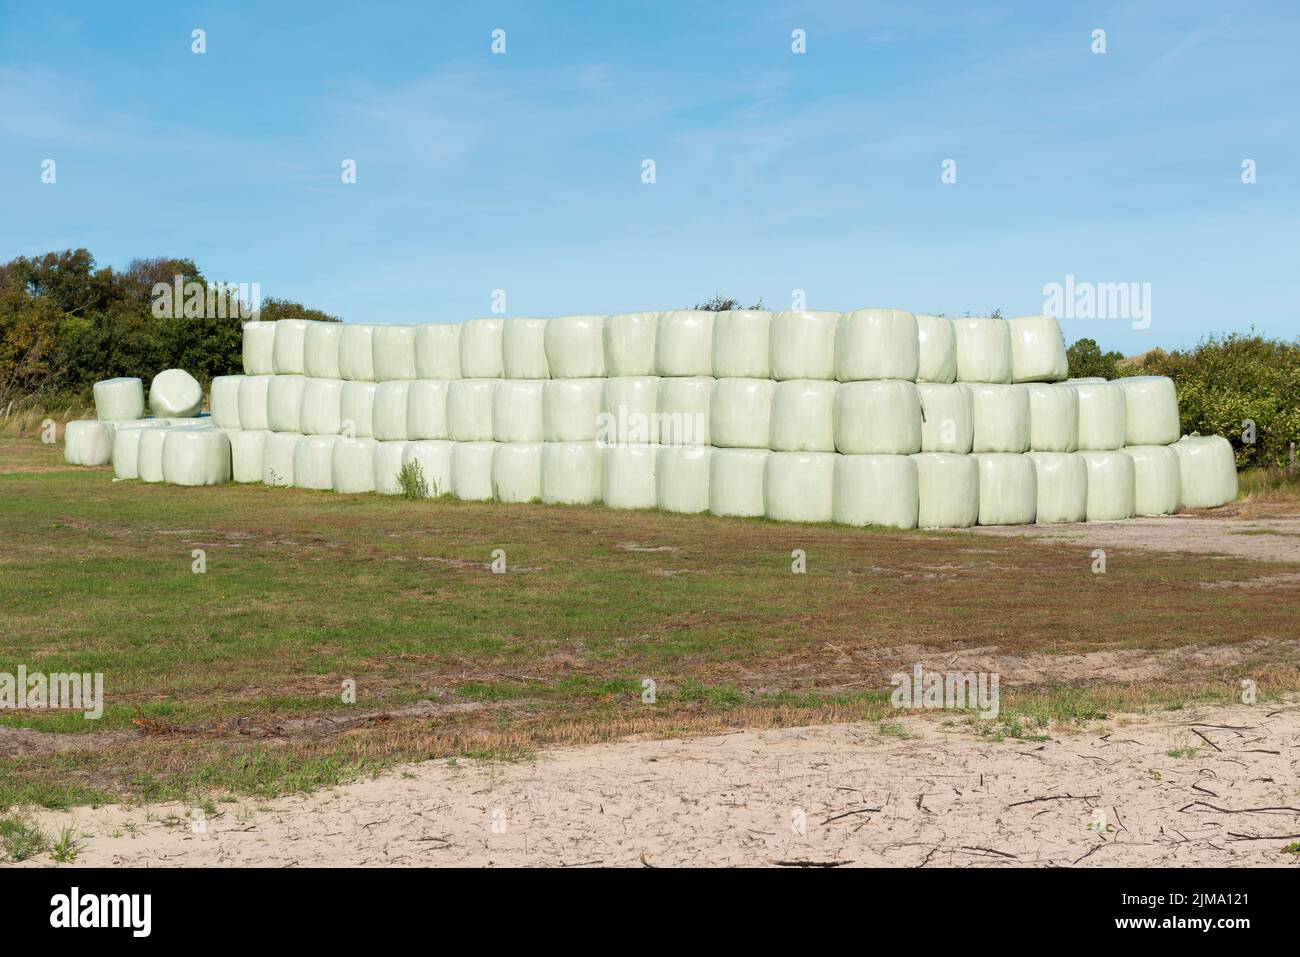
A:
{"x": 719, "y": 304}
{"x": 1086, "y": 359}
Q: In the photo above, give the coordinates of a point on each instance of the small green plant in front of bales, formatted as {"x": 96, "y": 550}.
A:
{"x": 21, "y": 839}
{"x": 411, "y": 482}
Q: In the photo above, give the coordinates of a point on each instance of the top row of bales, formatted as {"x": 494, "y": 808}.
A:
{"x": 865, "y": 344}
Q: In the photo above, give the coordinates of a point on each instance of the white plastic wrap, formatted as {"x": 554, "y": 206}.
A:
{"x": 575, "y": 347}
{"x": 149, "y": 454}
{"x": 426, "y": 409}
{"x": 629, "y": 341}
{"x": 469, "y": 409}
{"x": 1008, "y": 489}
{"x": 248, "y": 455}
{"x": 1062, "y": 479}
{"x": 630, "y": 411}
{"x": 1207, "y": 471}
{"x": 277, "y": 458}
{"x": 290, "y": 346}
{"x": 471, "y": 470}
{"x": 434, "y": 458}
{"x": 684, "y": 343}
{"x": 357, "y": 408}
{"x": 1157, "y": 480}
{"x": 1037, "y": 350}
{"x": 948, "y": 490}
{"x": 313, "y": 462}
{"x": 736, "y": 482}
{"x": 320, "y": 350}
{"x": 322, "y": 407}
{"x": 284, "y": 403}
{"x": 1150, "y": 410}
{"x": 388, "y": 414}
{"x": 983, "y": 349}
{"x": 88, "y": 442}
{"x": 571, "y": 409}
{"x": 253, "y": 401}
{"x": 1111, "y": 486}
{"x": 1053, "y": 417}
{"x": 480, "y": 349}
{"x": 119, "y": 399}
{"x": 799, "y": 486}
{"x": 1085, "y": 380}
{"x": 196, "y": 457}
{"x": 742, "y": 344}
{"x": 803, "y": 345}
{"x": 1102, "y": 422}
{"x": 881, "y": 417}
{"x": 684, "y": 410}
{"x": 174, "y": 392}
{"x": 517, "y": 471}
{"x": 740, "y": 413}
{"x": 876, "y": 344}
{"x": 354, "y": 465}
{"x": 936, "y": 350}
{"x": 125, "y": 452}
{"x": 517, "y": 410}
{"x": 437, "y": 350}
{"x": 628, "y": 476}
{"x": 223, "y": 401}
{"x": 803, "y": 416}
{"x": 876, "y": 490}
{"x": 394, "y": 352}
{"x": 259, "y": 348}
{"x": 523, "y": 349}
{"x": 188, "y": 422}
{"x": 1000, "y": 417}
{"x": 357, "y": 352}
{"x": 682, "y": 478}
{"x": 389, "y": 457}
{"x": 571, "y": 473}
{"x": 947, "y": 417}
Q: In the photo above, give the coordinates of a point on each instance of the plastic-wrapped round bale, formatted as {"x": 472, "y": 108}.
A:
{"x": 936, "y": 350}
{"x": 876, "y": 490}
{"x": 803, "y": 345}
{"x": 223, "y": 398}
{"x": 629, "y": 341}
{"x": 742, "y": 344}
{"x": 881, "y": 417}
{"x": 876, "y": 344}
{"x": 523, "y": 349}
{"x": 627, "y": 478}
{"x": 1157, "y": 483}
{"x": 196, "y": 457}
{"x": 322, "y": 407}
{"x": 682, "y": 478}
{"x": 684, "y": 410}
{"x": 174, "y": 392}
{"x": 948, "y": 490}
{"x": 740, "y": 413}
{"x": 320, "y": 350}
{"x": 126, "y": 452}
{"x": 1053, "y": 417}
{"x": 480, "y": 349}
{"x": 947, "y": 417}
{"x": 277, "y": 458}
{"x": 575, "y": 347}
{"x": 88, "y": 442}
{"x": 1037, "y": 350}
{"x": 388, "y": 414}
{"x": 284, "y": 403}
{"x": 736, "y": 482}
{"x": 353, "y": 467}
{"x": 434, "y": 459}
{"x": 357, "y": 408}
{"x": 469, "y": 409}
{"x": 149, "y": 454}
{"x": 684, "y": 343}
{"x": 437, "y": 350}
{"x": 259, "y": 348}
{"x": 121, "y": 398}
{"x": 1062, "y": 479}
{"x": 1001, "y": 417}
{"x": 630, "y": 411}
{"x": 1102, "y": 423}
{"x": 1207, "y": 470}
{"x": 517, "y": 410}
{"x": 1150, "y": 410}
{"x": 571, "y": 409}
{"x": 517, "y": 471}
{"x": 389, "y": 458}
{"x": 1111, "y": 486}
{"x": 803, "y": 416}
{"x": 313, "y": 462}
{"x": 394, "y": 352}
{"x": 983, "y": 349}
{"x": 357, "y": 352}
{"x": 252, "y": 401}
{"x": 248, "y": 455}
{"x": 426, "y": 409}
{"x": 290, "y": 346}
{"x": 1008, "y": 489}
{"x": 799, "y": 486}
{"x": 471, "y": 470}
{"x": 571, "y": 473}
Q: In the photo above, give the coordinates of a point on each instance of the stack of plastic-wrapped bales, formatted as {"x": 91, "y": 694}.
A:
{"x": 874, "y": 416}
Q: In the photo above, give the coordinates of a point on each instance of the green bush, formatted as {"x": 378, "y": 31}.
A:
{"x": 411, "y": 482}
{"x": 1087, "y": 359}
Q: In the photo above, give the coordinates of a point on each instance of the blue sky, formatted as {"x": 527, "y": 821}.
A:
{"x": 775, "y": 171}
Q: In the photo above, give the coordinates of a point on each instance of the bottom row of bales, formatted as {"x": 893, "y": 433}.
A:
{"x": 927, "y": 489}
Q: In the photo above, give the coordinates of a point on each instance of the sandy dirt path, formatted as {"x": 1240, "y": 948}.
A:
{"x": 1107, "y": 794}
